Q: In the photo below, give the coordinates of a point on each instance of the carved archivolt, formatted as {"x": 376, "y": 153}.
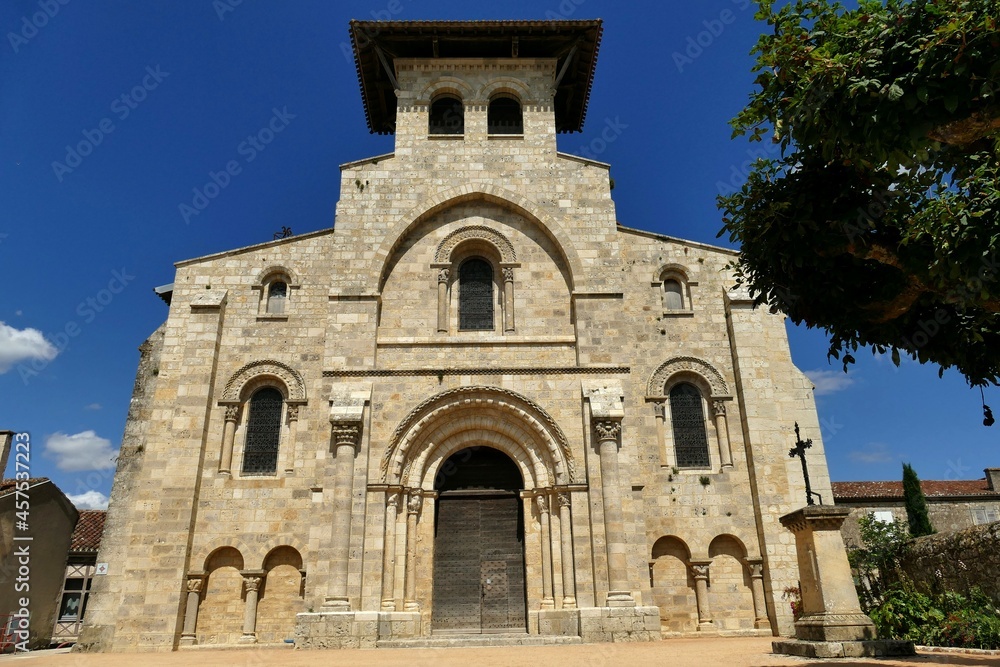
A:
{"x": 293, "y": 382}
{"x": 686, "y": 365}
{"x": 480, "y": 233}
{"x": 537, "y": 432}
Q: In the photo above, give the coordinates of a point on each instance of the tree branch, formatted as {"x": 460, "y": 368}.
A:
{"x": 967, "y": 130}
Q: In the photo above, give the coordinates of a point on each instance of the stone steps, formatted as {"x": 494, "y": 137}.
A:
{"x": 457, "y": 641}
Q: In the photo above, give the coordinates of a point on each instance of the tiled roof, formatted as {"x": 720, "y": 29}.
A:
{"x": 894, "y": 490}
{"x": 88, "y": 531}
{"x": 8, "y": 485}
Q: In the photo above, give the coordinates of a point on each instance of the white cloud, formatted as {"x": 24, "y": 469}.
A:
{"x": 80, "y": 451}
{"x": 90, "y": 500}
{"x": 829, "y": 382}
{"x": 23, "y": 344}
{"x": 873, "y": 452}
{"x": 92, "y": 406}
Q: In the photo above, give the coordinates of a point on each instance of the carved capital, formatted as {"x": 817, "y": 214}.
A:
{"x": 608, "y": 429}
{"x": 443, "y": 275}
{"x": 563, "y": 499}
{"x": 194, "y": 584}
{"x": 508, "y": 275}
{"x": 414, "y": 504}
{"x": 719, "y": 408}
{"x": 392, "y": 500}
{"x": 756, "y": 570}
{"x": 346, "y": 433}
{"x": 543, "y": 504}
{"x": 700, "y": 571}
{"x": 232, "y": 412}
{"x": 252, "y": 583}
{"x": 660, "y": 409}
{"x": 293, "y": 413}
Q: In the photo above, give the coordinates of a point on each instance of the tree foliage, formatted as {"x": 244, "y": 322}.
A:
{"x": 877, "y": 559}
{"x": 916, "y": 504}
{"x": 878, "y": 221}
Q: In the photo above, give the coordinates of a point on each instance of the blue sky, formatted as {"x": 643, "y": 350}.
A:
{"x": 163, "y": 93}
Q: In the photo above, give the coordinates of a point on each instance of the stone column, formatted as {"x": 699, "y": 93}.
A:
{"x": 700, "y": 570}
{"x": 756, "y": 566}
{"x": 722, "y": 433}
{"x": 508, "y": 299}
{"x": 666, "y": 455}
{"x": 389, "y": 552}
{"x": 442, "y": 326}
{"x": 566, "y": 541}
{"x": 228, "y": 436}
{"x": 608, "y": 435}
{"x": 252, "y": 582}
{"x": 189, "y": 636}
{"x": 548, "y": 596}
{"x": 830, "y": 608}
{"x": 346, "y": 436}
{"x": 293, "y": 424}
{"x": 413, "y": 506}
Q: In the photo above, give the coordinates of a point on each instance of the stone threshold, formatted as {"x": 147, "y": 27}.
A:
{"x": 499, "y": 639}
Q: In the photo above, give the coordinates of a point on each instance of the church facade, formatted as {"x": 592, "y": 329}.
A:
{"x": 477, "y": 404}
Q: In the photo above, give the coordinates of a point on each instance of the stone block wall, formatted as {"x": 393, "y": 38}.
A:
{"x": 957, "y": 561}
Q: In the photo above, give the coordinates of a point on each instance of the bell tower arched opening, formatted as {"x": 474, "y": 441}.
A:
{"x": 479, "y": 582}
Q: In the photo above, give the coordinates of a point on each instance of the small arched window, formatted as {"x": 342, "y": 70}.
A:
{"x": 475, "y": 295}
{"x": 504, "y": 116}
{"x": 687, "y": 416}
{"x": 277, "y": 297}
{"x": 673, "y": 295}
{"x": 447, "y": 116}
{"x": 260, "y": 451}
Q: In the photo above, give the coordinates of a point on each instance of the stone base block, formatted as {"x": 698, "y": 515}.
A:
{"x": 559, "y": 622}
{"x": 620, "y": 624}
{"x": 835, "y": 628}
{"x": 881, "y": 648}
{"x": 353, "y": 629}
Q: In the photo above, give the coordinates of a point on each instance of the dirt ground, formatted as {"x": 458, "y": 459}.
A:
{"x": 734, "y": 652}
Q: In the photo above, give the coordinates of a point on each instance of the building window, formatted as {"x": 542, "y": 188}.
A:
{"x": 687, "y": 416}
{"x": 277, "y": 296}
{"x": 883, "y": 516}
{"x": 475, "y": 295}
{"x": 73, "y": 601}
{"x": 260, "y": 452}
{"x": 673, "y": 295}
{"x": 504, "y": 115}
{"x": 982, "y": 515}
{"x": 447, "y": 116}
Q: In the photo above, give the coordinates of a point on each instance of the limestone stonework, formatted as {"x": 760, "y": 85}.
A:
{"x": 637, "y": 450}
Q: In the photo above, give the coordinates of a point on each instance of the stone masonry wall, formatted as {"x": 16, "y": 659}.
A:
{"x": 957, "y": 561}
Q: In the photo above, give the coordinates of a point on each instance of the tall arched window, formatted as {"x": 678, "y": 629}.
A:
{"x": 504, "y": 115}
{"x": 673, "y": 295}
{"x": 475, "y": 295}
{"x": 277, "y": 295}
{"x": 260, "y": 451}
{"x": 447, "y": 115}
{"x": 687, "y": 416}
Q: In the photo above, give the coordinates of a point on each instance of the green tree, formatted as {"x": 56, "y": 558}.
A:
{"x": 916, "y": 504}
{"x": 878, "y": 221}
{"x": 877, "y": 559}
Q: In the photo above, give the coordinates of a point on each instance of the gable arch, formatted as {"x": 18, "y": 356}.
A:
{"x": 503, "y": 197}
{"x": 256, "y": 373}
{"x": 702, "y": 372}
{"x": 446, "y": 85}
{"x": 503, "y": 246}
{"x": 507, "y": 85}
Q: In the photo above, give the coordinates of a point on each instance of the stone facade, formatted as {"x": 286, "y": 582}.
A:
{"x": 382, "y": 392}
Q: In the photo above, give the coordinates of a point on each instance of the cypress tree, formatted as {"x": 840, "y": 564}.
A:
{"x": 916, "y": 504}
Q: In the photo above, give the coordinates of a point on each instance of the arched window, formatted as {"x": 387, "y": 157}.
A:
{"x": 277, "y": 295}
{"x": 687, "y": 416}
{"x": 475, "y": 295}
{"x": 504, "y": 116}
{"x": 447, "y": 116}
{"x": 260, "y": 452}
{"x": 673, "y": 295}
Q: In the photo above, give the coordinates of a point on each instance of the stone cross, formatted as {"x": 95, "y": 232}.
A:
{"x": 800, "y": 450}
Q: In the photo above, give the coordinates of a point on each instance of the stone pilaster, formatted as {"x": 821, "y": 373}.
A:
{"x": 756, "y": 566}
{"x": 413, "y": 507}
{"x": 346, "y": 436}
{"x": 251, "y": 580}
{"x": 699, "y": 568}
{"x": 508, "y": 299}
{"x": 293, "y": 424}
{"x": 442, "y": 301}
{"x": 389, "y": 552}
{"x": 548, "y": 597}
{"x": 722, "y": 433}
{"x": 189, "y": 636}
{"x": 566, "y": 542}
{"x": 608, "y": 439}
{"x": 228, "y": 437}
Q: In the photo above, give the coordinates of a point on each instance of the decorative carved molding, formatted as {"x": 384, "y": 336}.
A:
{"x": 346, "y": 433}
{"x": 658, "y": 380}
{"x": 660, "y": 409}
{"x": 293, "y": 413}
{"x": 608, "y": 429}
{"x": 719, "y": 408}
{"x": 479, "y": 233}
{"x": 392, "y": 499}
{"x": 293, "y": 382}
{"x": 415, "y": 502}
{"x": 508, "y": 275}
{"x": 500, "y": 370}
{"x": 756, "y": 570}
{"x": 524, "y": 409}
{"x": 700, "y": 571}
{"x": 194, "y": 584}
{"x": 232, "y": 413}
{"x": 443, "y": 275}
{"x": 564, "y": 500}
{"x": 543, "y": 504}
{"x": 252, "y": 583}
